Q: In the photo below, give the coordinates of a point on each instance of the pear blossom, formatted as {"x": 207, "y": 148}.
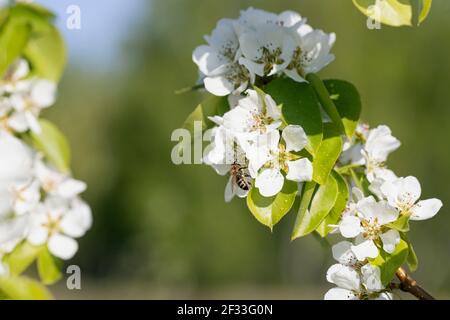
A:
{"x": 311, "y": 54}
{"x": 16, "y": 163}
{"x": 218, "y": 61}
{"x": 255, "y": 114}
{"x": 368, "y": 226}
{"x": 57, "y": 184}
{"x": 404, "y": 194}
{"x": 26, "y": 197}
{"x": 379, "y": 144}
{"x": 57, "y": 224}
{"x": 28, "y": 104}
{"x": 269, "y": 177}
{"x": 14, "y": 79}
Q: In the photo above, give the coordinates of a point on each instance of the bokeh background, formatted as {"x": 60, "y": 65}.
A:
{"x": 164, "y": 231}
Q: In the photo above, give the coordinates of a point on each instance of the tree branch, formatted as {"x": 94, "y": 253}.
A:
{"x": 408, "y": 284}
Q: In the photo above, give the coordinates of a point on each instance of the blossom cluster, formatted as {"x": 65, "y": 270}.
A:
{"x": 258, "y": 45}
{"x": 254, "y": 144}
{"x": 369, "y": 220}
{"x": 38, "y": 203}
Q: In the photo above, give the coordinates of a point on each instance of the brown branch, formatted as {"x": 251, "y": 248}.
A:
{"x": 408, "y": 284}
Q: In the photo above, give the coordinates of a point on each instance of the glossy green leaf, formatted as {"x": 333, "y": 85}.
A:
{"x": 23, "y": 288}
{"x": 14, "y": 37}
{"x": 395, "y": 12}
{"x": 269, "y": 211}
{"x": 341, "y": 203}
{"x": 401, "y": 224}
{"x": 49, "y": 267}
{"x": 47, "y": 54}
{"x": 412, "y": 260}
{"x": 22, "y": 257}
{"x": 347, "y": 101}
{"x": 299, "y": 106}
{"x": 323, "y": 201}
{"x": 53, "y": 144}
{"x": 389, "y": 263}
{"x": 327, "y": 154}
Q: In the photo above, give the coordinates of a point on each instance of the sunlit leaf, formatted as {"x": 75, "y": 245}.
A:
{"x": 323, "y": 201}
{"x": 269, "y": 211}
{"x": 23, "y": 288}
{"x": 327, "y": 154}
{"x": 395, "y": 12}
{"x": 49, "y": 267}
{"x": 389, "y": 263}
{"x": 53, "y": 144}
{"x": 22, "y": 257}
{"x": 341, "y": 202}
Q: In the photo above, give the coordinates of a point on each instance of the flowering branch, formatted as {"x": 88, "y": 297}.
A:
{"x": 408, "y": 284}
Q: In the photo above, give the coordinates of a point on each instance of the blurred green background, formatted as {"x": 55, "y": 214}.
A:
{"x": 164, "y": 231}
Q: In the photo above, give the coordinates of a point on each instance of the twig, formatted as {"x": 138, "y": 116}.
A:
{"x": 408, "y": 284}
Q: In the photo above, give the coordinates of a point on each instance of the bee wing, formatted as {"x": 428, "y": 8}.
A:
{"x": 230, "y": 190}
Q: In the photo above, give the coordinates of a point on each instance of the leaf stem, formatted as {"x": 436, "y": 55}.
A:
{"x": 324, "y": 97}
{"x": 408, "y": 284}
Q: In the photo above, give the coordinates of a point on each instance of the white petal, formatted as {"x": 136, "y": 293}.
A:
{"x": 229, "y": 192}
{"x": 381, "y": 211}
{"x": 344, "y": 277}
{"x": 38, "y": 235}
{"x": 300, "y": 170}
{"x": 206, "y": 58}
{"x": 62, "y": 246}
{"x": 71, "y": 188}
{"x": 218, "y": 86}
{"x": 77, "y": 221}
{"x": 295, "y": 138}
{"x": 371, "y": 278}
{"x": 380, "y": 143}
{"x": 340, "y": 294}
{"x": 390, "y": 240}
{"x": 366, "y": 249}
{"x": 43, "y": 93}
{"x": 350, "y": 226}
{"x": 269, "y": 182}
{"x": 12, "y": 229}
{"x": 343, "y": 254}
{"x": 426, "y": 209}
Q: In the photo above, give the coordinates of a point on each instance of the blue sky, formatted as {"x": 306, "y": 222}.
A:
{"x": 105, "y": 24}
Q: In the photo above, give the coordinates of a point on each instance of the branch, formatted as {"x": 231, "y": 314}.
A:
{"x": 408, "y": 284}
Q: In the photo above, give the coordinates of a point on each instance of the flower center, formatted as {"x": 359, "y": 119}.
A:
{"x": 371, "y": 229}
{"x": 270, "y": 58}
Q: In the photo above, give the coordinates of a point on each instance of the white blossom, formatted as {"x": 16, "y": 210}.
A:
{"x": 368, "y": 226}
{"x": 57, "y": 223}
{"x": 404, "y": 194}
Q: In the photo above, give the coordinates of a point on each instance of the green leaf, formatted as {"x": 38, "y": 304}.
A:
{"x": 401, "y": 224}
{"x": 269, "y": 211}
{"x": 347, "y": 101}
{"x": 23, "y": 288}
{"x": 14, "y": 36}
{"x": 327, "y": 154}
{"x": 53, "y": 144}
{"x": 47, "y": 54}
{"x": 299, "y": 107}
{"x": 341, "y": 203}
{"x": 22, "y": 257}
{"x": 321, "y": 205}
{"x": 395, "y": 12}
{"x": 212, "y": 106}
{"x": 49, "y": 267}
{"x": 389, "y": 263}
{"x": 413, "y": 261}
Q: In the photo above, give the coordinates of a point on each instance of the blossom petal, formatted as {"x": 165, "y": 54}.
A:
{"x": 390, "y": 240}
{"x": 350, "y": 226}
{"x": 269, "y": 182}
{"x": 344, "y": 277}
{"x": 426, "y": 209}
{"x": 340, "y": 294}
{"x": 295, "y": 138}
{"x": 62, "y": 246}
{"x": 218, "y": 86}
{"x": 343, "y": 254}
{"x": 364, "y": 250}
{"x": 300, "y": 170}
{"x": 371, "y": 278}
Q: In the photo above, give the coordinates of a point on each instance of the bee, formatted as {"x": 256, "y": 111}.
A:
{"x": 240, "y": 177}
